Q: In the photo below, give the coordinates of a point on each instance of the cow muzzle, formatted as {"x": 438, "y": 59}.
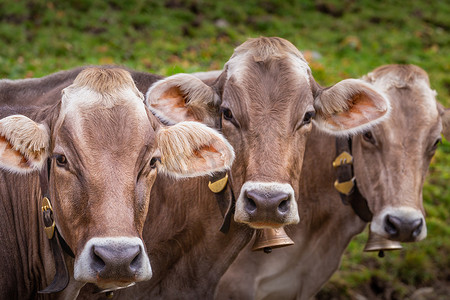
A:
{"x": 266, "y": 205}
{"x": 113, "y": 262}
{"x": 403, "y": 224}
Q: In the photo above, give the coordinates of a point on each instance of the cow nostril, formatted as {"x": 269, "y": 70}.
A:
{"x": 250, "y": 205}
{"x": 98, "y": 263}
{"x": 417, "y": 228}
{"x": 135, "y": 263}
{"x": 283, "y": 207}
{"x": 391, "y": 225}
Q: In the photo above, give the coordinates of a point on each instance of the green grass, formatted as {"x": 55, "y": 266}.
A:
{"x": 340, "y": 39}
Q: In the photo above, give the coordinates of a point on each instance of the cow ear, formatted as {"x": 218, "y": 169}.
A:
{"x": 349, "y": 107}
{"x": 190, "y": 149}
{"x": 446, "y": 124}
{"x": 24, "y": 144}
{"x": 182, "y": 97}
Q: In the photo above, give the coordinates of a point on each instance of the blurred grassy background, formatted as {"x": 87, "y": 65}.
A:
{"x": 339, "y": 38}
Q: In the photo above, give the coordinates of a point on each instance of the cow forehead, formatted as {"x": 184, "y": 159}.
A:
{"x": 239, "y": 65}
{"x": 274, "y": 88}
{"x": 76, "y": 99}
{"x": 416, "y": 100}
{"x": 102, "y": 122}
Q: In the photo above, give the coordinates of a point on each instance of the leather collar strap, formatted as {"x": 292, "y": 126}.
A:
{"x": 346, "y": 181}
{"x": 57, "y": 243}
{"x": 226, "y": 207}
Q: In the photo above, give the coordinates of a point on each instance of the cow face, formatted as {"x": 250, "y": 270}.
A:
{"x": 392, "y": 159}
{"x": 105, "y": 149}
{"x": 264, "y": 101}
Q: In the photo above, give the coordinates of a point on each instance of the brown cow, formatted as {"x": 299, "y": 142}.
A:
{"x": 267, "y": 97}
{"x": 104, "y": 148}
{"x": 265, "y": 100}
{"x": 390, "y": 164}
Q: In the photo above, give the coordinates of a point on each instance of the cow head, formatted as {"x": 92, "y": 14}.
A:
{"x": 446, "y": 124}
{"x": 105, "y": 148}
{"x": 264, "y": 101}
{"x": 392, "y": 159}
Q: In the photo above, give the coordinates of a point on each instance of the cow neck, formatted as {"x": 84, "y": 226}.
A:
{"x": 57, "y": 242}
{"x": 346, "y": 181}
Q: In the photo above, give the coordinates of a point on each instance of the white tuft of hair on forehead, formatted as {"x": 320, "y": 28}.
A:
{"x": 237, "y": 66}
{"x": 388, "y": 81}
{"x": 101, "y": 87}
{"x": 256, "y": 50}
{"x": 301, "y": 67}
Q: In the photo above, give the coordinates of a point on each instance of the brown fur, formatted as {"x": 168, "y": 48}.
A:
{"x": 265, "y": 49}
{"x": 47, "y": 90}
{"x": 190, "y": 253}
{"x": 389, "y": 174}
{"x": 100, "y": 154}
{"x": 107, "y": 154}
{"x": 446, "y": 124}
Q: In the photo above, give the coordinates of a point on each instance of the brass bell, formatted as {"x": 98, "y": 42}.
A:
{"x": 376, "y": 242}
{"x": 269, "y": 238}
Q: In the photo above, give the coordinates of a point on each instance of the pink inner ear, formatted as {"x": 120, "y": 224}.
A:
{"x": 172, "y": 104}
{"x": 362, "y": 110}
{"x": 206, "y": 156}
{"x": 11, "y": 157}
{"x": 208, "y": 148}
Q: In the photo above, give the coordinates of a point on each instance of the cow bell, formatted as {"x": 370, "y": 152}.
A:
{"x": 268, "y": 238}
{"x": 376, "y": 242}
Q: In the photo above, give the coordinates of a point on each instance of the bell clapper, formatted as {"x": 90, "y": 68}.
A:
{"x": 381, "y": 254}
{"x": 268, "y": 250}
{"x": 109, "y": 294}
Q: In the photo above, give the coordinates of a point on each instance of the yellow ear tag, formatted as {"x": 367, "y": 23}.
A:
{"x": 219, "y": 185}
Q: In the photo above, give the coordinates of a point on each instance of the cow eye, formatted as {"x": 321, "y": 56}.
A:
{"x": 436, "y": 144}
{"x": 227, "y": 114}
{"x": 368, "y": 137}
{"x": 154, "y": 161}
{"x": 61, "y": 160}
{"x": 309, "y": 115}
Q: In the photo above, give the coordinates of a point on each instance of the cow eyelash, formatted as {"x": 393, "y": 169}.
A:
{"x": 307, "y": 118}
{"x": 368, "y": 137}
{"x": 436, "y": 144}
{"x": 154, "y": 161}
{"x": 227, "y": 114}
